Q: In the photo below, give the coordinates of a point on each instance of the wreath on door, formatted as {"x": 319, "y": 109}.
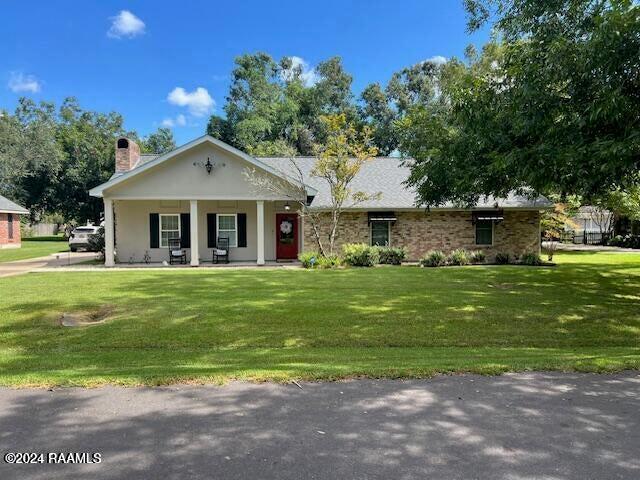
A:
{"x": 286, "y": 227}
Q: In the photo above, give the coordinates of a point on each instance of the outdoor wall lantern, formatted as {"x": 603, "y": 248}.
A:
{"x": 208, "y": 166}
{"x": 287, "y": 207}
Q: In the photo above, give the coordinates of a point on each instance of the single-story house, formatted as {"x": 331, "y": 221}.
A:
{"x": 10, "y": 223}
{"x": 206, "y": 190}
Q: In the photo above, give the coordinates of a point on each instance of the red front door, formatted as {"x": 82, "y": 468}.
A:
{"x": 287, "y": 235}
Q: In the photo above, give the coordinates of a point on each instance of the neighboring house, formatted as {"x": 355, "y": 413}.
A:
{"x": 10, "y": 223}
{"x": 591, "y": 219}
{"x": 203, "y": 190}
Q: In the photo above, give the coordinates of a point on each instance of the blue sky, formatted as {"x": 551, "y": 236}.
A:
{"x": 171, "y": 61}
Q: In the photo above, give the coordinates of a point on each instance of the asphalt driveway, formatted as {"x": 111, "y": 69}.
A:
{"x": 521, "y": 426}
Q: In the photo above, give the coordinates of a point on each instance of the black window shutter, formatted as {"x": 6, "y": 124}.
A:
{"x": 154, "y": 230}
{"x": 10, "y": 220}
{"x": 185, "y": 230}
{"x": 242, "y": 230}
{"x": 211, "y": 230}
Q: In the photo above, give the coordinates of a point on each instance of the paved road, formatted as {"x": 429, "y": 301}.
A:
{"x": 526, "y": 426}
{"x": 20, "y": 267}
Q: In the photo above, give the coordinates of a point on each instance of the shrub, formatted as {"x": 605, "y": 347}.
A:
{"x": 95, "y": 242}
{"x": 458, "y": 257}
{"x": 391, "y": 255}
{"x": 477, "y": 256}
{"x": 434, "y": 258}
{"x": 317, "y": 260}
{"x": 360, "y": 255}
{"x": 309, "y": 259}
{"x": 502, "y": 258}
{"x": 625, "y": 241}
{"x": 331, "y": 261}
{"x": 530, "y": 258}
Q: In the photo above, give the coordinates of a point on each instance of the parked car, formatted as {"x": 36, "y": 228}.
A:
{"x": 79, "y": 238}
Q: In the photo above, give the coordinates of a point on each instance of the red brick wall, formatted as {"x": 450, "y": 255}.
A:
{"x": 4, "y": 229}
{"x": 420, "y": 232}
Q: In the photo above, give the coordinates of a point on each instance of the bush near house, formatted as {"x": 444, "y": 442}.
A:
{"x": 308, "y": 259}
{"x": 96, "y": 242}
{"x": 503, "y": 258}
{"x": 360, "y": 255}
{"x": 317, "y": 260}
{"x": 434, "y": 258}
{"x": 477, "y": 256}
{"x": 458, "y": 257}
{"x": 391, "y": 255}
{"x": 530, "y": 258}
{"x": 625, "y": 241}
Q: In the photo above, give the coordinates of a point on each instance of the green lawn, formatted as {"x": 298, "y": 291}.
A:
{"x": 214, "y": 325}
{"x": 33, "y": 248}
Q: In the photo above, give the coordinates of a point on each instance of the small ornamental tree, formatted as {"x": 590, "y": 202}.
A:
{"x": 338, "y": 161}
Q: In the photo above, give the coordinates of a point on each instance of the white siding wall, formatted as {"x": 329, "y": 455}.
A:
{"x": 133, "y": 236}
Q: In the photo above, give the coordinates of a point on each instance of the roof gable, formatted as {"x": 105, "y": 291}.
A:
{"x": 148, "y": 163}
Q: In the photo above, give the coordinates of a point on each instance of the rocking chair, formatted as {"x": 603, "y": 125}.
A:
{"x": 176, "y": 253}
{"x": 221, "y": 250}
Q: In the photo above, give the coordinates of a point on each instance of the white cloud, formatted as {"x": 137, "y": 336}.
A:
{"x": 125, "y": 24}
{"x": 308, "y": 75}
{"x": 179, "y": 121}
{"x": 19, "y": 82}
{"x": 437, "y": 59}
{"x": 199, "y": 102}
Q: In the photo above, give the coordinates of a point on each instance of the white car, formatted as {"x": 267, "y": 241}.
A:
{"x": 80, "y": 236}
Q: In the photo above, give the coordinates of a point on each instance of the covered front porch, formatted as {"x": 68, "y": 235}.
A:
{"x": 259, "y": 232}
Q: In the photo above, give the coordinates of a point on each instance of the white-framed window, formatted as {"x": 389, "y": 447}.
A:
{"x": 169, "y": 228}
{"x": 484, "y": 232}
{"x": 228, "y": 227}
{"x": 380, "y": 234}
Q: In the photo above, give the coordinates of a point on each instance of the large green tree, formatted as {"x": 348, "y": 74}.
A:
{"x": 274, "y": 107}
{"x": 88, "y": 141}
{"x": 554, "y": 106}
{"x": 30, "y": 157}
{"x": 160, "y": 141}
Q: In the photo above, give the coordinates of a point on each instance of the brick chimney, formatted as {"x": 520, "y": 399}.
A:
{"x": 127, "y": 155}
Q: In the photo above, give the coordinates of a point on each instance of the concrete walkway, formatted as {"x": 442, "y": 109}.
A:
{"x": 579, "y": 247}
{"x": 55, "y": 260}
{"x": 521, "y": 426}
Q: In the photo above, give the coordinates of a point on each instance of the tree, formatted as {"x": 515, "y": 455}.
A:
{"x": 623, "y": 203}
{"x": 380, "y": 116}
{"x": 275, "y": 107}
{"x": 30, "y": 157}
{"x": 220, "y": 128}
{"x": 161, "y": 141}
{"x": 553, "y": 108}
{"x": 337, "y": 163}
{"x": 88, "y": 140}
{"x": 253, "y": 96}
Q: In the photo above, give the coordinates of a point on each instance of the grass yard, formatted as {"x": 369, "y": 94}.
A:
{"x": 273, "y": 324}
{"x": 34, "y": 248}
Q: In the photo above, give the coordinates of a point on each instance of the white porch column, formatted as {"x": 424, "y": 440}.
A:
{"x": 109, "y": 236}
{"x": 193, "y": 217}
{"x": 260, "y": 231}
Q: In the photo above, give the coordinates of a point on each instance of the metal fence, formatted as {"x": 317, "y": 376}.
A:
{"x": 585, "y": 238}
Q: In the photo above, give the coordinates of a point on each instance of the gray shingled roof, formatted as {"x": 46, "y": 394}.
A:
{"x": 7, "y": 205}
{"x": 386, "y": 175}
